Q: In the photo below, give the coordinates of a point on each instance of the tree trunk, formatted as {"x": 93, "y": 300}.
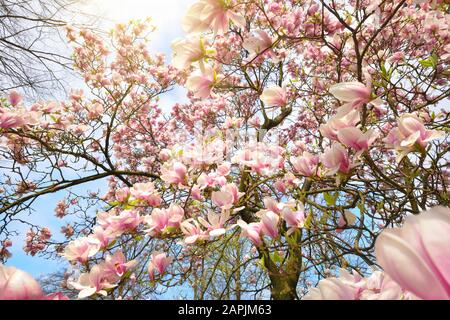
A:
{"x": 283, "y": 284}
{"x": 284, "y": 287}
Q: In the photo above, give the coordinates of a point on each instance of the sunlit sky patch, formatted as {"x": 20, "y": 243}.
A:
{"x": 166, "y": 15}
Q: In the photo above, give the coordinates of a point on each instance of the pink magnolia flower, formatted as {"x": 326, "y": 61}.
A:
{"x": 201, "y": 82}
{"x": 346, "y": 219}
{"x": 291, "y": 179}
{"x": 196, "y": 193}
{"x": 16, "y": 284}
{"x": 262, "y": 158}
{"x": 62, "y": 163}
{"x": 56, "y": 296}
{"x": 280, "y": 186}
{"x": 257, "y": 43}
{"x": 344, "y": 118}
{"x": 373, "y": 6}
{"x": 233, "y": 189}
{"x": 158, "y": 262}
{"x": 269, "y": 224}
{"x": 354, "y": 138}
{"x": 379, "y": 286}
{"x": 331, "y": 289}
{"x": 274, "y": 96}
{"x": 164, "y": 154}
{"x": 222, "y": 199}
{"x": 396, "y": 57}
{"x": 163, "y": 221}
{"x": 61, "y": 209}
{"x": 95, "y": 281}
{"x": 295, "y": 219}
{"x": 174, "y": 174}
{"x": 224, "y": 169}
{"x": 421, "y": 244}
{"x": 193, "y": 22}
{"x": 207, "y": 180}
{"x": 11, "y": 120}
{"x": 232, "y": 122}
{"x": 354, "y": 287}
{"x": 14, "y": 98}
{"x": 272, "y": 205}
{"x": 146, "y": 192}
{"x": 103, "y": 236}
{"x": 127, "y": 220}
{"x": 95, "y": 111}
{"x": 117, "y": 265}
{"x": 105, "y": 220}
{"x": 81, "y": 249}
{"x": 186, "y": 51}
{"x": 192, "y": 231}
{"x": 122, "y": 194}
{"x": 214, "y": 14}
{"x": 252, "y": 231}
{"x": 255, "y": 122}
{"x": 354, "y": 93}
{"x": 32, "y": 118}
{"x": 227, "y": 196}
{"x": 336, "y": 159}
{"x": 410, "y": 132}
{"x": 204, "y": 150}
{"x": 215, "y": 223}
{"x": 306, "y": 165}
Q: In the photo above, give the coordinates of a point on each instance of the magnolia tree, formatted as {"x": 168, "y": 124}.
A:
{"x": 309, "y": 130}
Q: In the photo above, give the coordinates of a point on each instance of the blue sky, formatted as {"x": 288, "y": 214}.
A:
{"x": 166, "y": 16}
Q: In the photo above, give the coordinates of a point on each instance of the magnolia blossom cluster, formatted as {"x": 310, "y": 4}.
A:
{"x": 377, "y": 286}
{"x": 110, "y": 226}
{"x": 15, "y": 115}
{"x": 270, "y": 218}
{"x": 36, "y": 242}
{"x": 164, "y": 221}
{"x": 102, "y": 277}
{"x": 4, "y": 252}
{"x": 308, "y": 130}
{"x": 139, "y": 193}
{"x": 158, "y": 262}
{"x": 202, "y": 16}
{"x": 61, "y": 209}
{"x": 419, "y": 244}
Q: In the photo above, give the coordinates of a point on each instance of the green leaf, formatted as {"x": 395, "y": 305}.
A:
{"x": 291, "y": 239}
{"x": 434, "y": 58}
{"x": 308, "y": 220}
{"x": 384, "y": 73}
{"x": 426, "y": 63}
{"x": 112, "y": 244}
{"x": 431, "y": 62}
{"x": 170, "y": 230}
{"x": 276, "y": 257}
{"x": 380, "y": 205}
{"x": 330, "y": 199}
{"x": 128, "y": 207}
{"x": 134, "y": 202}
